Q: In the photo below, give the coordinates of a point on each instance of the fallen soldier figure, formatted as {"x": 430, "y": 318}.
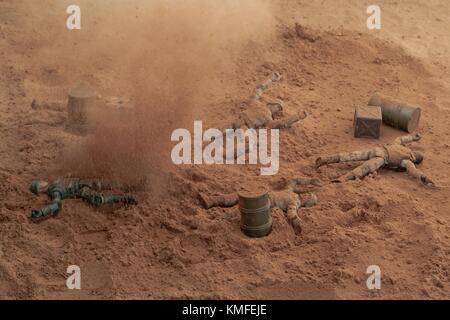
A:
{"x": 260, "y": 114}
{"x": 287, "y": 200}
{"x": 73, "y": 188}
{"x": 392, "y": 156}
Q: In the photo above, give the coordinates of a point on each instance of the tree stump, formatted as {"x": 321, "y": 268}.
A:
{"x": 80, "y": 107}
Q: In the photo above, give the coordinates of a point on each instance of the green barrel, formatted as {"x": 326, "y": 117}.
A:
{"x": 397, "y": 114}
{"x": 256, "y": 220}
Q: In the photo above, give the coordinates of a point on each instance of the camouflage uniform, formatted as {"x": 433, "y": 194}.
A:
{"x": 73, "y": 188}
{"x": 392, "y": 156}
{"x": 287, "y": 200}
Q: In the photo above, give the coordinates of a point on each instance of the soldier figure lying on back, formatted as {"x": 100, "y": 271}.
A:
{"x": 393, "y": 156}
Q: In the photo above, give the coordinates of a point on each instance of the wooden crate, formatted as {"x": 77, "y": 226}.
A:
{"x": 367, "y": 122}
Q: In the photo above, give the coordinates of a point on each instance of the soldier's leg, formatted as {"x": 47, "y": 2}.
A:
{"x": 226, "y": 200}
{"x": 346, "y": 157}
{"x": 103, "y": 185}
{"x": 363, "y": 170}
{"x": 95, "y": 198}
{"x": 51, "y": 209}
{"x": 412, "y": 170}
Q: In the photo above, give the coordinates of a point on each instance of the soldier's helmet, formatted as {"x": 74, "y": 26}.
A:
{"x": 419, "y": 157}
{"x": 38, "y": 186}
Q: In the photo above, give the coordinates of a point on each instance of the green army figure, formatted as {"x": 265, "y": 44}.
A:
{"x": 394, "y": 155}
{"x": 73, "y": 188}
{"x": 287, "y": 199}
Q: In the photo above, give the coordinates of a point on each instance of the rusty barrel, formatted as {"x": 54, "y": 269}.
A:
{"x": 397, "y": 114}
{"x": 256, "y": 220}
{"x": 81, "y": 104}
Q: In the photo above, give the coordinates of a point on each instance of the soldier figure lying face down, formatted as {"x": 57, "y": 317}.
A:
{"x": 73, "y": 188}
{"x": 393, "y": 156}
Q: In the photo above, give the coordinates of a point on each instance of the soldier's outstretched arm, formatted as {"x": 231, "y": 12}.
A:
{"x": 349, "y": 156}
{"x": 224, "y": 201}
{"x": 363, "y": 170}
{"x": 97, "y": 199}
{"x": 51, "y": 209}
{"x": 408, "y": 139}
{"x": 412, "y": 170}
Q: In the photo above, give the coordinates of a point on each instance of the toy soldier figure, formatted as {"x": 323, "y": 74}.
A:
{"x": 73, "y": 188}
{"x": 261, "y": 114}
{"x": 286, "y": 199}
{"x": 265, "y": 115}
{"x": 392, "y": 156}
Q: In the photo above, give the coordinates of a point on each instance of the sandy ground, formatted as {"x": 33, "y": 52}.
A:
{"x": 169, "y": 246}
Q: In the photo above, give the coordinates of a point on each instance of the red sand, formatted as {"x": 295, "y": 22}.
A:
{"x": 168, "y": 246}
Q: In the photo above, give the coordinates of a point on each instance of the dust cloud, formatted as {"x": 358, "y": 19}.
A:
{"x": 163, "y": 55}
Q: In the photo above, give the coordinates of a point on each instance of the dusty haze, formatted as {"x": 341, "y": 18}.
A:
{"x": 166, "y": 56}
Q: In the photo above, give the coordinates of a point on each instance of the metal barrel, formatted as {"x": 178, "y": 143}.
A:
{"x": 80, "y": 107}
{"x": 256, "y": 220}
{"x": 397, "y": 114}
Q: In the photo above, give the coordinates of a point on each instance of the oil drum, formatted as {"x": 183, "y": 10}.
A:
{"x": 397, "y": 114}
{"x": 256, "y": 220}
